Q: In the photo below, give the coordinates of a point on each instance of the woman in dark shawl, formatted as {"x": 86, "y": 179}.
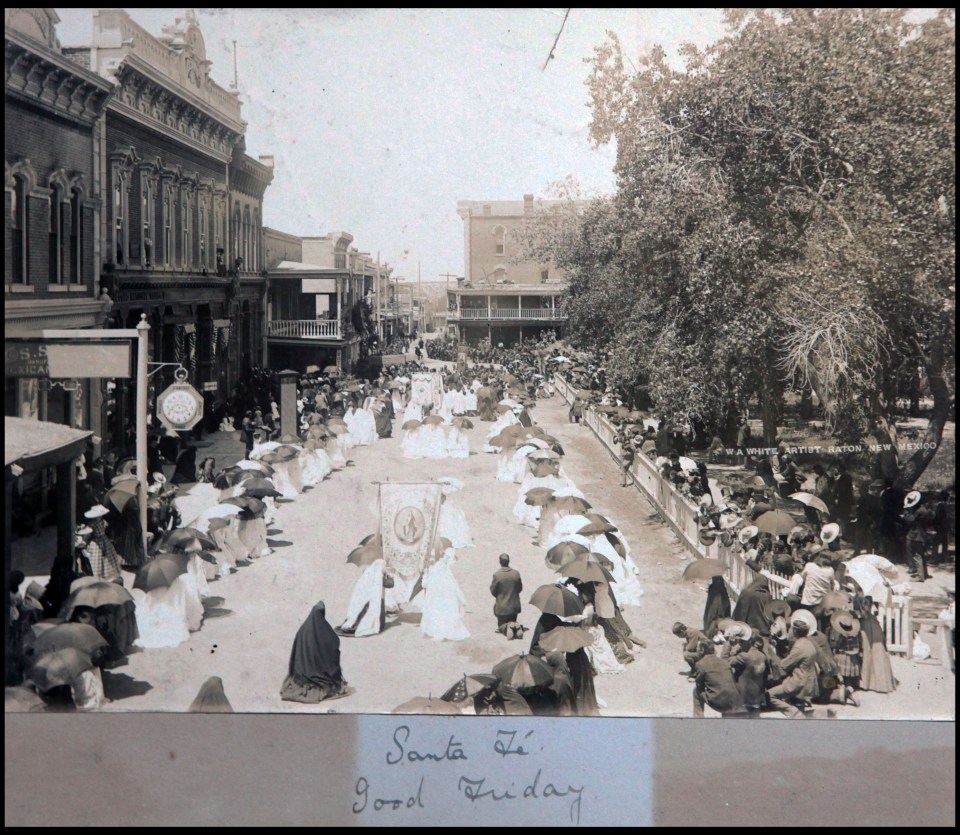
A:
{"x": 718, "y": 605}
{"x": 753, "y": 601}
{"x": 383, "y": 418}
{"x": 581, "y": 677}
{"x": 314, "y": 673}
{"x": 562, "y": 686}
{"x": 186, "y": 471}
{"x": 211, "y": 698}
{"x": 877, "y": 673}
{"x": 544, "y": 625}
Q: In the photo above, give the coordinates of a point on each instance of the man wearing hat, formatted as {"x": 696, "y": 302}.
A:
{"x": 714, "y": 684}
{"x": 749, "y": 666}
{"x": 800, "y": 668}
{"x": 818, "y": 578}
{"x": 691, "y": 641}
{"x": 104, "y": 559}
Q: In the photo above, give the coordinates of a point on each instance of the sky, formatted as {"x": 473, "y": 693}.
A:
{"x": 381, "y": 120}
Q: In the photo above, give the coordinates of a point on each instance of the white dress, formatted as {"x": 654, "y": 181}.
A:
{"x": 501, "y": 423}
{"x": 434, "y": 441}
{"x": 413, "y": 411}
{"x": 626, "y": 586}
{"x": 162, "y": 616}
{"x": 512, "y": 466}
{"x": 363, "y": 610}
{"x": 412, "y": 445}
{"x": 601, "y": 653}
{"x": 349, "y": 439}
{"x": 87, "y": 690}
{"x": 443, "y": 604}
{"x": 452, "y": 524}
{"x": 527, "y": 514}
{"x": 336, "y": 453}
{"x": 229, "y": 549}
{"x": 397, "y": 399}
{"x": 367, "y": 427}
{"x": 563, "y": 526}
{"x": 288, "y": 477}
{"x": 447, "y": 406}
{"x": 470, "y": 402}
{"x": 458, "y": 443}
{"x": 253, "y": 534}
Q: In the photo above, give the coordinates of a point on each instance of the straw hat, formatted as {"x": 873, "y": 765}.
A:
{"x": 807, "y": 617}
{"x": 96, "y": 512}
{"x": 828, "y": 533}
{"x": 911, "y": 499}
{"x": 776, "y": 609}
{"x": 748, "y": 533}
{"x": 845, "y": 624}
{"x": 159, "y": 478}
{"x": 738, "y": 632}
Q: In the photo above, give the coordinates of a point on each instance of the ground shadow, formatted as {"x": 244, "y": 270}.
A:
{"x": 408, "y": 617}
{"x": 121, "y": 686}
{"x": 274, "y": 531}
{"x": 212, "y": 602}
{"x": 278, "y": 543}
{"x": 283, "y": 501}
{"x": 216, "y": 612}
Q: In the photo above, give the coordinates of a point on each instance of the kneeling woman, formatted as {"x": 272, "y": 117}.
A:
{"x": 314, "y": 673}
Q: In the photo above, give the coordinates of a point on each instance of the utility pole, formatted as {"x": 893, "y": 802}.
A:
{"x": 377, "y": 301}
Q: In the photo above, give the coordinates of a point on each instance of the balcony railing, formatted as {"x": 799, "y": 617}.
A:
{"x": 305, "y": 328}
{"x": 508, "y": 313}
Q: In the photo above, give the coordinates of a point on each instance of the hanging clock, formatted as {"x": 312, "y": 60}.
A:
{"x": 180, "y": 406}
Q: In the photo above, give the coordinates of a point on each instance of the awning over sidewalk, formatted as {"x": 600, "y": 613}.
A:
{"x": 34, "y": 444}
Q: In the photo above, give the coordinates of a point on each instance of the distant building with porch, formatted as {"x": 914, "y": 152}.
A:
{"x": 503, "y": 297}
{"x": 320, "y": 300}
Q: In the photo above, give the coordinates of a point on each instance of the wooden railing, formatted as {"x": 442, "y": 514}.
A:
{"x": 680, "y": 513}
{"x": 304, "y": 328}
{"x": 509, "y": 313}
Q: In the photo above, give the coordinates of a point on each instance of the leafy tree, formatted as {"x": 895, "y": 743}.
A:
{"x": 785, "y": 212}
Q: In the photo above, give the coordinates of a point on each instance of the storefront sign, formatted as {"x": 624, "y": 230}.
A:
{"x": 213, "y": 385}
{"x": 66, "y": 359}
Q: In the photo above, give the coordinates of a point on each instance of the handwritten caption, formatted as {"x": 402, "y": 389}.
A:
{"x": 517, "y": 780}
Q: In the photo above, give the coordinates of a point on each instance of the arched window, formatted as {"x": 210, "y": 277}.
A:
{"x": 56, "y": 235}
{"x": 246, "y": 238}
{"x": 119, "y": 217}
{"x": 167, "y": 227}
{"x": 76, "y": 236}
{"x": 18, "y": 225}
{"x": 500, "y": 240}
{"x": 187, "y": 222}
{"x": 202, "y": 239}
{"x": 147, "y": 216}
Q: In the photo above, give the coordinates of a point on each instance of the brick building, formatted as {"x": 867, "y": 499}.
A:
{"x": 503, "y": 297}
{"x": 53, "y": 123}
{"x": 183, "y": 207}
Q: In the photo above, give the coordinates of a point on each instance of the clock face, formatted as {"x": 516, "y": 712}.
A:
{"x": 179, "y": 407}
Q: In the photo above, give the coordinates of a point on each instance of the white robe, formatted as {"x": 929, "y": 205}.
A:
{"x": 413, "y": 443}
{"x": 413, "y": 411}
{"x": 529, "y": 515}
{"x": 601, "y": 653}
{"x": 458, "y": 443}
{"x": 470, "y": 402}
{"x": 434, "y": 441}
{"x": 229, "y": 549}
{"x": 253, "y": 534}
{"x": 626, "y": 586}
{"x": 453, "y": 525}
{"x": 501, "y": 423}
{"x": 288, "y": 477}
{"x": 443, "y": 604}
{"x": 163, "y": 615}
{"x": 512, "y": 466}
{"x": 365, "y": 600}
{"x": 335, "y": 451}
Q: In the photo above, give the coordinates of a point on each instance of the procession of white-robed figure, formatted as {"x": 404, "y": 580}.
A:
{"x": 408, "y": 563}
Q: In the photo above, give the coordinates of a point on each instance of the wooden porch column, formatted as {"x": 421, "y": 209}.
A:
{"x": 66, "y": 507}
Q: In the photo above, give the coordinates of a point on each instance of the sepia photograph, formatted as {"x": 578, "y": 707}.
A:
{"x": 483, "y": 362}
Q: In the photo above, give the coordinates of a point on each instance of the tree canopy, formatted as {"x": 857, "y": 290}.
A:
{"x": 784, "y": 216}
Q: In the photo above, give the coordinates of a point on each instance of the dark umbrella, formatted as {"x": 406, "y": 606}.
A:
{"x": 556, "y": 600}
{"x": 586, "y": 571}
{"x": 254, "y": 505}
{"x": 571, "y": 504}
{"x": 470, "y": 686}
{"x": 58, "y": 667}
{"x": 231, "y": 477}
{"x": 97, "y": 594}
{"x": 704, "y": 570}
{"x": 523, "y": 672}
{"x": 596, "y": 528}
{"x": 366, "y": 554}
{"x": 538, "y": 496}
{"x": 159, "y": 573}
{"x": 566, "y": 639}
{"x": 776, "y": 522}
{"x": 183, "y": 540}
{"x": 463, "y": 423}
{"x": 81, "y": 636}
{"x": 427, "y": 705}
{"x": 259, "y": 488}
{"x": 565, "y": 552}
{"x": 411, "y": 424}
{"x": 122, "y": 493}
{"x": 503, "y": 440}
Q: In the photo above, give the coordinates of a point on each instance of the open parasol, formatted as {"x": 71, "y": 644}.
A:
{"x": 81, "y": 636}
{"x": 566, "y": 639}
{"x": 433, "y": 420}
{"x": 58, "y": 667}
{"x": 538, "y": 496}
{"x": 811, "y": 500}
{"x": 259, "y": 488}
{"x": 367, "y": 552}
{"x": 463, "y": 423}
{"x": 704, "y": 569}
{"x": 571, "y": 504}
{"x": 776, "y": 522}
{"x": 97, "y": 594}
{"x": 586, "y": 570}
{"x": 596, "y": 528}
{"x": 122, "y": 493}
{"x": 523, "y": 672}
{"x": 256, "y": 466}
{"x": 469, "y": 686}
{"x": 570, "y": 548}
{"x": 556, "y": 600}
{"x": 411, "y": 424}
{"x": 159, "y": 573}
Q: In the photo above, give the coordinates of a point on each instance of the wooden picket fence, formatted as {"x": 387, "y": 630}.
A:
{"x": 680, "y": 513}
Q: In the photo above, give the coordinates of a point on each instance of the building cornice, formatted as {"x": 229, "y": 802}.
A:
{"x": 144, "y": 96}
{"x": 45, "y": 78}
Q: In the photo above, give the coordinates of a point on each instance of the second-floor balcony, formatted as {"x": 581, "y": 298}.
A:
{"x": 323, "y": 329}
{"x": 510, "y": 313}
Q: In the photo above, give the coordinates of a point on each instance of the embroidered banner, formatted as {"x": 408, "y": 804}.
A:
{"x": 426, "y": 389}
{"x": 408, "y": 524}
